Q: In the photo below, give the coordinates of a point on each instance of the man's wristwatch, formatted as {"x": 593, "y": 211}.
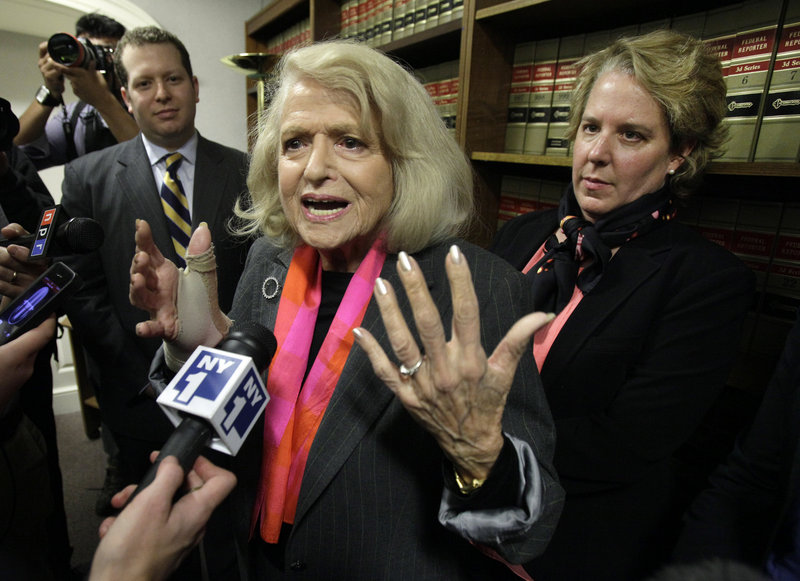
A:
{"x": 46, "y": 98}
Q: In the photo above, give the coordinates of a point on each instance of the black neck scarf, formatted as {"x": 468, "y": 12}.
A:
{"x": 554, "y": 277}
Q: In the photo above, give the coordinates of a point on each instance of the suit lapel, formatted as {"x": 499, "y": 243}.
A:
{"x": 136, "y": 184}
{"x": 359, "y": 398}
{"x": 210, "y": 187}
{"x": 632, "y": 267}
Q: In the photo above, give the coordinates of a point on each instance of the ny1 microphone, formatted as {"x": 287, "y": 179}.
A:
{"x": 216, "y": 397}
{"x": 60, "y": 235}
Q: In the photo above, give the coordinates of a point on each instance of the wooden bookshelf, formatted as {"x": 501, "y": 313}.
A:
{"x": 483, "y": 41}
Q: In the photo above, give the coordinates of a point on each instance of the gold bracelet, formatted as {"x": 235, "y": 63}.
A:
{"x": 466, "y": 488}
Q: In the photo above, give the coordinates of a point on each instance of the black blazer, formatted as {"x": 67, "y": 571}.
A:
{"x": 115, "y": 186}
{"x": 753, "y": 495}
{"x": 372, "y": 487}
{"x": 628, "y": 379}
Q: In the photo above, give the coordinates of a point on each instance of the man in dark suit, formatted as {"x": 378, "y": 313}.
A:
{"x": 120, "y": 184}
{"x": 751, "y": 511}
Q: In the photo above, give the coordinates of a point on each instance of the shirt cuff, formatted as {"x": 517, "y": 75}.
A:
{"x": 505, "y": 508}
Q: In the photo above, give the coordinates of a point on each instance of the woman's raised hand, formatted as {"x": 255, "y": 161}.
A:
{"x": 449, "y": 387}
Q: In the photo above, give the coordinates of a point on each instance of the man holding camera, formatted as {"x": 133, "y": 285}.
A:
{"x": 99, "y": 119}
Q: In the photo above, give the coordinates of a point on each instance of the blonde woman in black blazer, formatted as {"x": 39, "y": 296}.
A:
{"x": 649, "y": 312}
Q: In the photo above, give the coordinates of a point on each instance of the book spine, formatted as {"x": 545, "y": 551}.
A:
{"x": 779, "y": 134}
{"x": 543, "y": 78}
{"x": 519, "y": 96}
{"x": 570, "y": 51}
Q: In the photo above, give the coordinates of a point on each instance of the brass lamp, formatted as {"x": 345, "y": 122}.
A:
{"x": 257, "y": 66}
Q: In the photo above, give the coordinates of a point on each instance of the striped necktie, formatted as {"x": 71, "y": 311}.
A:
{"x": 176, "y": 207}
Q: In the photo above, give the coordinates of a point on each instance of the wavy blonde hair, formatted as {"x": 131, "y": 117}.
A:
{"x": 433, "y": 181}
{"x": 683, "y": 77}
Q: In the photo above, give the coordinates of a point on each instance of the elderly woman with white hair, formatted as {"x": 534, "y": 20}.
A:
{"x": 424, "y": 449}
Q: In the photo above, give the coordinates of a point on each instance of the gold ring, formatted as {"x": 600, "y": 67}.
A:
{"x": 13, "y": 276}
{"x": 410, "y": 371}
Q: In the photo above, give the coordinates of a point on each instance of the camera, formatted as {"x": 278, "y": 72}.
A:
{"x": 72, "y": 51}
{"x": 9, "y": 126}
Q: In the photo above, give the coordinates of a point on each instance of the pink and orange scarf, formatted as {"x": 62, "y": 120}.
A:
{"x": 295, "y": 411}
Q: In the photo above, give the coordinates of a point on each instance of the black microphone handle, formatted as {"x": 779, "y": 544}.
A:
{"x": 26, "y": 240}
{"x": 185, "y": 443}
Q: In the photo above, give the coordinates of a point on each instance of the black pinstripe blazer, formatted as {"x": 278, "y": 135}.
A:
{"x": 371, "y": 491}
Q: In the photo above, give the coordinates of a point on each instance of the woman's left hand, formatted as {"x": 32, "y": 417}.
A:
{"x": 456, "y": 392}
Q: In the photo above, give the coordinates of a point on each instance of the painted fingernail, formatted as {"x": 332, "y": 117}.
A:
{"x": 455, "y": 254}
{"x": 405, "y": 263}
{"x": 357, "y": 332}
{"x": 380, "y": 286}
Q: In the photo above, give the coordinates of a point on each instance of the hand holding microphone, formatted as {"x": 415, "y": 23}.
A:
{"x": 150, "y": 537}
{"x": 216, "y": 397}
{"x": 60, "y": 235}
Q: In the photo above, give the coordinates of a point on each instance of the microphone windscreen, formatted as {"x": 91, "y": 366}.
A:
{"x": 83, "y": 235}
{"x": 251, "y": 339}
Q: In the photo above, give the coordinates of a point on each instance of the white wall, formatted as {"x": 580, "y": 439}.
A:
{"x": 210, "y": 30}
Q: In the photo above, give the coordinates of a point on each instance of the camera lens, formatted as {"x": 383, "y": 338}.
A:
{"x": 66, "y": 50}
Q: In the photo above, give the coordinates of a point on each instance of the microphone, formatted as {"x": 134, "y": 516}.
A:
{"x": 216, "y": 397}
{"x": 60, "y": 235}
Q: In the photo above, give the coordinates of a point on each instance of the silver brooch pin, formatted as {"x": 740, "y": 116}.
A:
{"x": 270, "y": 287}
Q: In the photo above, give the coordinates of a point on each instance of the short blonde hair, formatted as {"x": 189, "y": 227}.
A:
{"x": 683, "y": 77}
{"x": 433, "y": 181}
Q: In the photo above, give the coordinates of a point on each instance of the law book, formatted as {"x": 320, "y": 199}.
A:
{"x": 717, "y": 220}
{"x": 754, "y": 235}
{"x": 362, "y": 13}
{"x": 779, "y": 135}
{"x": 747, "y": 73}
{"x": 689, "y": 24}
{"x": 570, "y": 51}
{"x": 432, "y": 16}
{"x": 518, "y": 195}
{"x": 626, "y": 32}
{"x": 408, "y": 18}
{"x": 445, "y": 11}
{"x": 782, "y": 296}
{"x": 689, "y": 211}
{"x": 372, "y": 28}
{"x": 450, "y": 93}
{"x": 550, "y": 193}
{"x": 441, "y": 83}
{"x": 398, "y": 19}
{"x": 543, "y": 77}
{"x": 653, "y": 25}
{"x": 519, "y": 96}
{"x": 347, "y": 16}
{"x": 458, "y": 9}
{"x": 596, "y": 41}
{"x": 384, "y": 22}
{"x": 420, "y": 15}
{"x": 788, "y": 244}
{"x": 756, "y": 225}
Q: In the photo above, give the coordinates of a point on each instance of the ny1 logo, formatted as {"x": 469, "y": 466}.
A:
{"x": 212, "y": 374}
